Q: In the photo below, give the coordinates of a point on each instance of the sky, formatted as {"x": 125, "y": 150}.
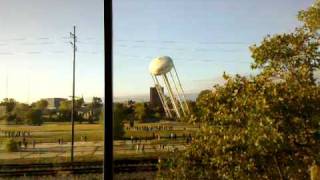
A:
{"x": 35, "y": 53}
{"x": 204, "y": 38}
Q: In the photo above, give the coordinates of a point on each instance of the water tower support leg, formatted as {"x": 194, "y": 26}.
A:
{"x": 178, "y": 95}
{"x": 174, "y": 67}
{"x": 162, "y": 97}
{"x": 171, "y": 95}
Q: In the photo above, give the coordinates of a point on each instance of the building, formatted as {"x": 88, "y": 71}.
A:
{"x": 154, "y": 97}
{"x": 54, "y": 103}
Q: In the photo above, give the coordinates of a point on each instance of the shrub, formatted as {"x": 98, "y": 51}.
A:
{"x": 11, "y": 146}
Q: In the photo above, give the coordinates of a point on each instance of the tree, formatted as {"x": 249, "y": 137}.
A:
{"x": 95, "y": 109}
{"x": 78, "y": 103}
{"x": 202, "y": 102}
{"x": 41, "y": 104}
{"x": 10, "y": 118}
{"x": 264, "y": 126}
{"x": 65, "y": 110}
{"x": 9, "y": 103}
{"x": 78, "y": 116}
{"x": 140, "y": 111}
{"x": 311, "y": 16}
{"x": 119, "y": 116}
{"x": 288, "y": 55}
{"x": 34, "y": 117}
{"x": 143, "y": 112}
{"x": 16, "y": 112}
{"x": 20, "y": 111}
{"x": 96, "y": 102}
{"x": 65, "y": 105}
{"x": 250, "y": 124}
{"x": 293, "y": 54}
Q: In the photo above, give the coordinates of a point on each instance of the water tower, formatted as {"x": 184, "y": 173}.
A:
{"x": 163, "y": 68}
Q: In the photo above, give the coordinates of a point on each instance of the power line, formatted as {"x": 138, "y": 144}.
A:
{"x": 196, "y": 49}
{"x": 187, "y": 42}
{"x": 36, "y": 41}
{"x": 47, "y": 40}
{"x": 189, "y": 59}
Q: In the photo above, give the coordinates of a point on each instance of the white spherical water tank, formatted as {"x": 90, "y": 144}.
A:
{"x": 160, "y": 65}
{"x": 163, "y": 68}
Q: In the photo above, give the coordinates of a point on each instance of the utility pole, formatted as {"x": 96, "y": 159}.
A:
{"x": 74, "y": 37}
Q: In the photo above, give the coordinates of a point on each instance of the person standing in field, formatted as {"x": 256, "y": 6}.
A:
{"x": 33, "y": 143}
{"x": 25, "y": 144}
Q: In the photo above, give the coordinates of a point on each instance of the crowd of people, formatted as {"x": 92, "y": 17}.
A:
{"x": 18, "y": 134}
{"x": 150, "y": 128}
{"x": 24, "y": 143}
{"x": 14, "y": 133}
{"x": 157, "y": 136}
{"x": 24, "y": 138}
{"x": 137, "y": 142}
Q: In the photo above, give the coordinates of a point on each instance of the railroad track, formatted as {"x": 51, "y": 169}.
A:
{"x": 15, "y": 170}
{"x": 9, "y": 170}
{"x": 130, "y": 165}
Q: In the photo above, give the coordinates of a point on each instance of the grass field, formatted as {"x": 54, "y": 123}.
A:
{"x": 50, "y": 132}
{"x": 48, "y": 149}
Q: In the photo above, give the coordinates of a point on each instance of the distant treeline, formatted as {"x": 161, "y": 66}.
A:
{"x": 14, "y": 112}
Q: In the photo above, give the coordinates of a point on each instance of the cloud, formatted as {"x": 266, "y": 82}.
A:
{"x": 43, "y": 38}
{"x": 18, "y": 39}
{"x": 57, "y": 52}
{"x": 43, "y": 43}
{"x": 33, "y": 52}
{"x": 6, "y": 53}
